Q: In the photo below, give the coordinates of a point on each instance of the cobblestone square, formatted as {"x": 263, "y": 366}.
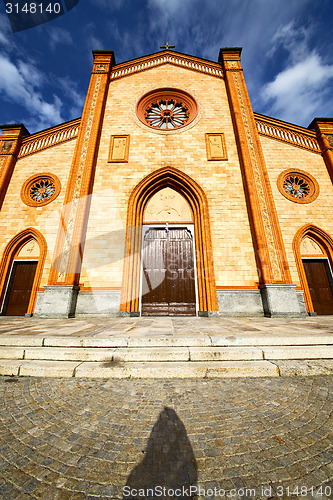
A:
{"x": 72, "y": 438}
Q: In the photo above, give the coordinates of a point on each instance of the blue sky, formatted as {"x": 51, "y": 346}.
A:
{"x": 287, "y": 52}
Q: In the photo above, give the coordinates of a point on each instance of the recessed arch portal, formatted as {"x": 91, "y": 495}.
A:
{"x": 324, "y": 244}
{"x": 196, "y": 199}
{"x": 12, "y": 251}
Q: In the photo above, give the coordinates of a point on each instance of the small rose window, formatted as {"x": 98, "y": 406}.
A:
{"x": 39, "y": 190}
{"x": 167, "y": 109}
{"x": 298, "y": 186}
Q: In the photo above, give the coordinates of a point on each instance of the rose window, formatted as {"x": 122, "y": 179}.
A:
{"x": 167, "y": 114}
{"x": 166, "y": 109}
{"x": 298, "y": 186}
{"x": 42, "y": 190}
{"x": 39, "y": 190}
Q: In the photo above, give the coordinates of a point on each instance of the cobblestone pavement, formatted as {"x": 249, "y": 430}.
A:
{"x": 79, "y": 438}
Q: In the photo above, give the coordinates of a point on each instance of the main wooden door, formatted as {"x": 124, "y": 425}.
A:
{"x": 168, "y": 273}
{"x": 319, "y": 280}
{"x": 19, "y": 288}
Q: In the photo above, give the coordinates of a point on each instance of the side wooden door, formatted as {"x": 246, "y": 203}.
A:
{"x": 319, "y": 280}
{"x": 168, "y": 270}
{"x": 19, "y": 288}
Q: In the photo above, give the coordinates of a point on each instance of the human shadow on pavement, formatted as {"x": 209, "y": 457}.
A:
{"x": 169, "y": 465}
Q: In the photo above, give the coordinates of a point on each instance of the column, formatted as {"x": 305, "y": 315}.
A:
{"x": 278, "y": 293}
{"x": 10, "y": 144}
{"x": 60, "y": 296}
{"x": 324, "y": 130}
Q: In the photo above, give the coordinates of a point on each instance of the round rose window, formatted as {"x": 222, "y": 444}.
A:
{"x": 39, "y": 190}
{"x": 167, "y": 109}
{"x": 298, "y": 186}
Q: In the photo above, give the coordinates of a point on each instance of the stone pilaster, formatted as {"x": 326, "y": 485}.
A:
{"x": 10, "y": 144}
{"x": 266, "y": 233}
{"x": 72, "y": 228}
{"x": 324, "y": 130}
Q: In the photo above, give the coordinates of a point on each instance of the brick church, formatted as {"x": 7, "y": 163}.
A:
{"x": 169, "y": 196}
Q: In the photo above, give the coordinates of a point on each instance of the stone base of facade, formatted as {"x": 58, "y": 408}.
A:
{"x": 281, "y": 300}
{"x": 270, "y": 300}
{"x": 301, "y": 303}
{"x": 60, "y": 301}
{"x": 98, "y": 302}
{"x": 236, "y": 302}
{"x": 57, "y": 301}
{"x": 207, "y": 314}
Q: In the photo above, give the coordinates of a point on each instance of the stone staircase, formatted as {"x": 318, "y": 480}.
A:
{"x": 166, "y": 355}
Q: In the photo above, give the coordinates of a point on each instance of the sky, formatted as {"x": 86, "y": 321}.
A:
{"x": 287, "y": 52}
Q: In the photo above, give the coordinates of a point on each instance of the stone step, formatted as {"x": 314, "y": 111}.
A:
{"x": 42, "y": 368}
{"x": 167, "y": 340}
{"x": 167, "y": 354}
{"x": 298, "y": 352}
{"x": 163, "y": 355}
{"x": 214, "y": 369}
{"x": 130, "y": 354}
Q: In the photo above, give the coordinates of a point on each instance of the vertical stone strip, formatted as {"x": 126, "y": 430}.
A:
{"x": 270, "y": 252}
{"x": 10, "y": 144}
{"x": 71, "y": 234}
{"x": 324, "y": 130}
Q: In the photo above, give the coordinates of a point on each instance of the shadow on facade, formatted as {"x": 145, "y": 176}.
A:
{"x": 168, "y": 463}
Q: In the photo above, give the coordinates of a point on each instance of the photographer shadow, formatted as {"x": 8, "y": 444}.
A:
{"x": 169, "y": 463}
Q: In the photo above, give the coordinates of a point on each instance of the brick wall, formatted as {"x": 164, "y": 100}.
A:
{"x": 16, "y": 216}
{"x": 280, "y": 156}
{"x": 185, "y": 150}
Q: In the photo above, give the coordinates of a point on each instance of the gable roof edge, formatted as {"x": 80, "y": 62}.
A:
{"x": 166, "y": 57}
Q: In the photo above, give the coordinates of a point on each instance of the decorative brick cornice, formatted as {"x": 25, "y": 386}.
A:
{"x": 285, "y": 132}
{"x": 49, "y": 137}
{"x": 166, "y": 57}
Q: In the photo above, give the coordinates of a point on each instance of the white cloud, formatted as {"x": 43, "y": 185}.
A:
{"x": 6, "y": 36}
{"x": 109, "y": 4}
{"x": 201, "y": 28}
{"x": 30, "y": 74}
{"x": 92, "y": 40}
{"x": 70, "y": 90}
{"x": 95, "y": 43}
{"x": 304, "y": 76}
{"x": 298, "y": 92}
{"x": 16, "y": 86}
{"x": 59, "y": 36}
{"x": 169, "y": 7}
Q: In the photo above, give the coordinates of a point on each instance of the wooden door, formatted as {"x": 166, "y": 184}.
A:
{"x": 19, "y": 288}
{"x": 319, "y": 280}
{"x": 168, "y": 271}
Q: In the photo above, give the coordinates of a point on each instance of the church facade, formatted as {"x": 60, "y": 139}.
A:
{"x": 169, "y": 196}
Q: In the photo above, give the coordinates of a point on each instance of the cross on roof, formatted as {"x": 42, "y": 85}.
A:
{"x": 167, "y": 46}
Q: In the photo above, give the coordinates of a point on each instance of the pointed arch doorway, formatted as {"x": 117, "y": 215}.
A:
{"x": 313, "y": 250}
{"x": 186, "y": 238}
{"x": 168, "y": 279}
{"x": 21, "y": 269}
